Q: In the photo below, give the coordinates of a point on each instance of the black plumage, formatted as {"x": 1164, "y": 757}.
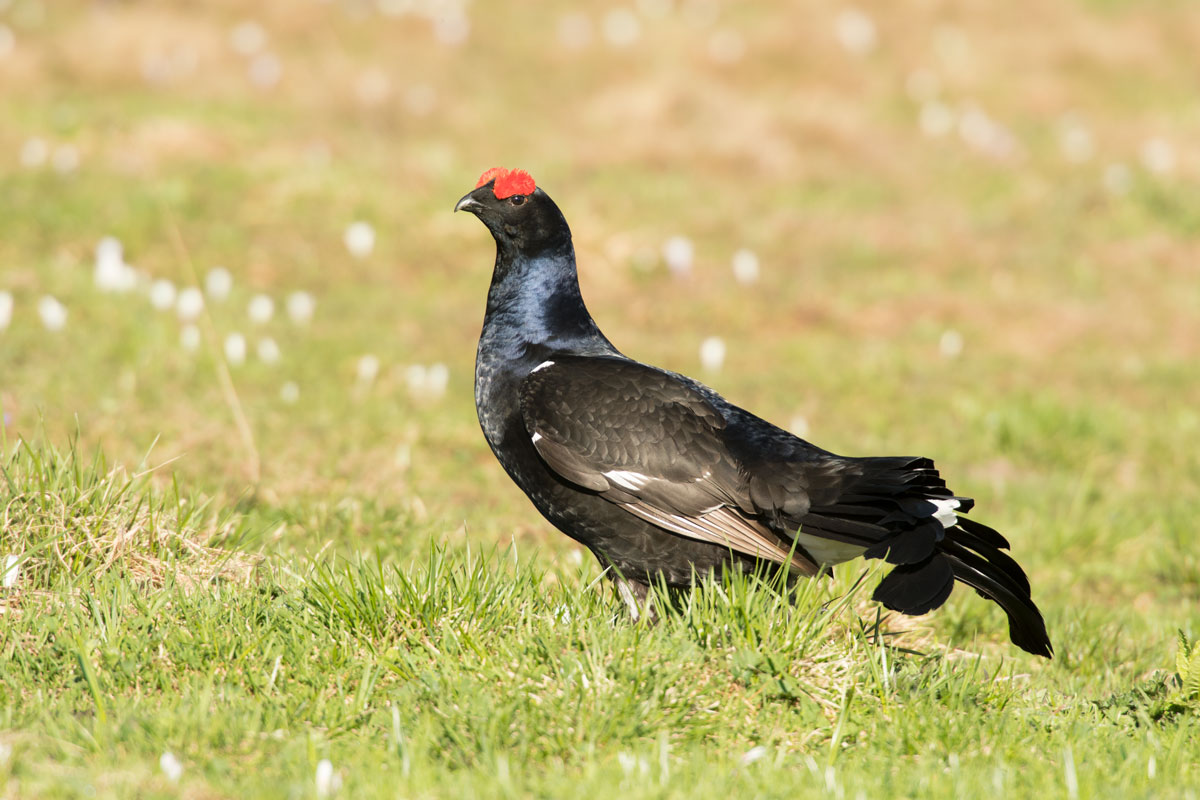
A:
{"x": 662, "y": 478}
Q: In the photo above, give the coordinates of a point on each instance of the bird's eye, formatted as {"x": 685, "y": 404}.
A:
{"x": 517, "y": 199}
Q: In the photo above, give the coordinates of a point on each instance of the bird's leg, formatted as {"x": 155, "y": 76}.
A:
{"x": 637, "y": 599}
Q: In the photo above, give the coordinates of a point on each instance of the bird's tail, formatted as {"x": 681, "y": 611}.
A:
{"x": 973, "y": 554}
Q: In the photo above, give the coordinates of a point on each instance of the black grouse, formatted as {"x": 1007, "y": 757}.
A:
{"x": 663, "y": 479}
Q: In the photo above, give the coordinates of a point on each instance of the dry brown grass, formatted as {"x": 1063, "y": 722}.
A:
{"x": 72, "y": 524}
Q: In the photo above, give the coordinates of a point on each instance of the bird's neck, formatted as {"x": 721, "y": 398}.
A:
{"x": 535, "y": 300}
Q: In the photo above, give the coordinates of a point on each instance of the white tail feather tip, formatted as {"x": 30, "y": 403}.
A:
{"x": 945, "y": 512}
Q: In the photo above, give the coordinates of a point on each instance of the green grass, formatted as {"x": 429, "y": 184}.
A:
{"x": 358, "y": 580}
{"x": 451, "y": 671}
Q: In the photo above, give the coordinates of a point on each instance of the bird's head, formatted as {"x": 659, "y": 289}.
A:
{"x": 521, "y": 217}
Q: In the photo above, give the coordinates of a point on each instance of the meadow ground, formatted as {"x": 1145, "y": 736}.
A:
{"x": 301, "y": 573}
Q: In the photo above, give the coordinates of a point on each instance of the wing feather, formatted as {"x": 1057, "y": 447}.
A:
{"x": 643, "y": 439}
{"x": 728, "y": 528}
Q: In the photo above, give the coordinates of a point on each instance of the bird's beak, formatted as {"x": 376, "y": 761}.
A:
{"x": 467, "y": 203}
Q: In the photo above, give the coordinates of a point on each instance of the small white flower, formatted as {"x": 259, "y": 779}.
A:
{"x": 265, "y": 70}
{"x": 1075, "y": 141}
{"x": 983, "y": 134}
{"x": 936, "y": 119}
{"x": 360, "y": 239}
{"x": 6, "y": 309}
{"x": 799, "y": 425}
{"x": 1118, "y": 179}
{"x": 1158, "y": 156}
{"x": 52, "y": 313}
{"x": 189, "y": 304}
{"x": 300, "y": 307}
{"x": 12, "y": 571}
{"x": 247, "y": 38}
{"x": 753, "y": 754}
{"x": 712, "y": 353}
{"x": 170, "y": 766}
{"x": 162, "y": 294}
{"x": 261, "y": 309}
{"x": 327, "y": 780}
{"x": 951, "y": 47}
{"x": 65, "y": 159}
{"x": 745, "y": 267}
{"x": 123, "y": 279}
{"x": 951, "y": 344}
{"x": 975, "y": 127}
{"x": 368, "y": 368}
{"x": 111, "y": 273}
{"x": 218, "y": 283}
{"x": 8, "y": 42}
{"x": 562, "y": 615}
{"x": 235, "y": 349}
{"x": 436, "y": 379}
{"x": 34, "y": 152}
{"x": 417, "y": 379}
{"x": 189, "y": 338}
{"x": 289, "y": 393}
{"x": 575, "y": 31}
{"x": 403, "y": 456}
{"x": 677, "y": 252}
{"x": 621, "y": 27}
{"x": 856, "y": 31}
{"x": 268, "y": 351}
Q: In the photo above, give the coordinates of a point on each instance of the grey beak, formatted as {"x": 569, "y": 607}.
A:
{"x": 466, "y": 203}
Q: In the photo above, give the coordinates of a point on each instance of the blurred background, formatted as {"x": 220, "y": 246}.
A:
{"x": 960, "y": 229}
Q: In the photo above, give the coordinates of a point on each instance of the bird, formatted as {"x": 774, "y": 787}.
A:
{"x": 664, "y": 480}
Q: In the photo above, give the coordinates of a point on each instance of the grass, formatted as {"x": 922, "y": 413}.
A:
{"x": 358, "y": 582}
{"x": 456, "y": 671}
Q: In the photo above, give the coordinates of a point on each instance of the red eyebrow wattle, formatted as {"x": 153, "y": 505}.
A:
{"x": 509, "y": 182}
{"x": 494, "y": 172}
